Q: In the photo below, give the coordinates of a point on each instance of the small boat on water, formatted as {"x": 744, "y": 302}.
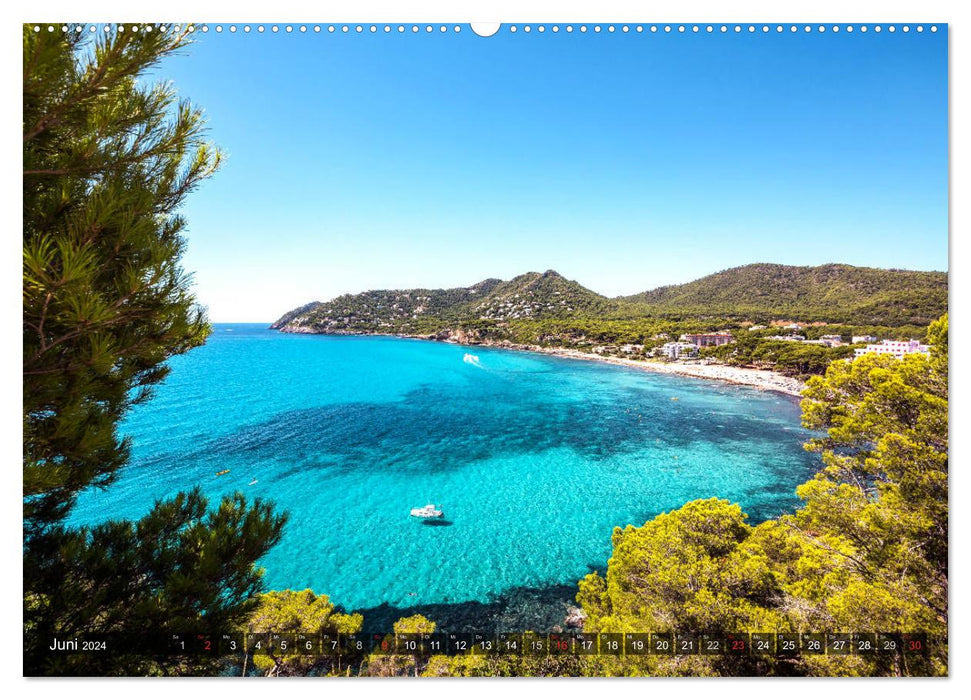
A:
{"x": 224, "y": 471}
{"x": 471, "y": 359}
{"x": 429, "y": 511}
{"x": 254, "y": 481}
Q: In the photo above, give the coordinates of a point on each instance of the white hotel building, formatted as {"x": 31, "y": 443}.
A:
{"x": 897, "y": 348}
{"x": 679, "y": 351}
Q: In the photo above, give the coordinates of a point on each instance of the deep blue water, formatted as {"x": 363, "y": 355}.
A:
{"x": 536, "y": 459}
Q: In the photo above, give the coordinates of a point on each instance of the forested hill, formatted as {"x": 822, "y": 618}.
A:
{"x": 835, "y": 293}
{"x": 760, "y": 292}
{"x": 533, "y": 295}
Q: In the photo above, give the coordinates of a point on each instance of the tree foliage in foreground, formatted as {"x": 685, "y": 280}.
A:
{"x": 292, "y": 612}
{"x": 182, "y": 569}
{"x": 108, "y": 159}
{"x": 866, "y": 552}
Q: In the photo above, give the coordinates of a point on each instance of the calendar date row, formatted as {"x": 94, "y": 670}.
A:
{"x": 582, "y": 643}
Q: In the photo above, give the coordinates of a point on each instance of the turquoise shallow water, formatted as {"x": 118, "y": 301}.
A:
{"x": 535, "y": 458}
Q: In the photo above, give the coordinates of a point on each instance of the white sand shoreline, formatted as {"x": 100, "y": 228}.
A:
{"x": 762, "y": 379}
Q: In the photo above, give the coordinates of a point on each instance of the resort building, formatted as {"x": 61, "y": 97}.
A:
{"x": 788, "y": 338}
{"x": 863, "y": 339}
{"x": 704, "y": 340}
{"x": 831, "y": 341}
{"x": 897, "y": 348}
{"x": 679, "y": 351}
{"x": 825, "y": 342}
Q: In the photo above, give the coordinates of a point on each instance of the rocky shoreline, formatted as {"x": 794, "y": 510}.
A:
{"x": 763, "y": 379}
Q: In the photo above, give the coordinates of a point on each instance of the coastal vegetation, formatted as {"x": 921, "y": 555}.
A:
{"x": 755, "y": 302}
{"x": 831, "y": 293}
{"x": 799, "y": 359}
{"x": 866, "y": 552}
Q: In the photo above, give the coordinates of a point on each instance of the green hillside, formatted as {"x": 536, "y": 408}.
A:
{"x": 836, "y": 294}
{"x": 533, "y": 295}
{"x": 833, "y": 293}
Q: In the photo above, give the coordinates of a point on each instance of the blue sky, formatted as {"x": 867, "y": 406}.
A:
{"x": 624, "y": 161}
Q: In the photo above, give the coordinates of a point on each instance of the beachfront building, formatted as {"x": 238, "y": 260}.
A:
{"x": 897, "y": 348}
{"x": 825, "y": 342}
{"x": 863, "y": 339}
{"x": 679, "y": 351}
{"x": 704, "y": 340}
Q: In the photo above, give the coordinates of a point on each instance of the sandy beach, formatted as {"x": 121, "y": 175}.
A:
{"x": 757, "y": 378}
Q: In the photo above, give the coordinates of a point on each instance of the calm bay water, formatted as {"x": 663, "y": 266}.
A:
{"x": 535, "y": 459}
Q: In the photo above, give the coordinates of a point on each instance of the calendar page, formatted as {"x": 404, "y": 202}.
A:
{"x": 446, "y": 349}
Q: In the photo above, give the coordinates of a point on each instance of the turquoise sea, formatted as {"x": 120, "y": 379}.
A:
{"x": 535, "y": 460}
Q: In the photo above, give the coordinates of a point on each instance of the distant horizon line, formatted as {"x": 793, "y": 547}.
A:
{"x": 241, "y": 323}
